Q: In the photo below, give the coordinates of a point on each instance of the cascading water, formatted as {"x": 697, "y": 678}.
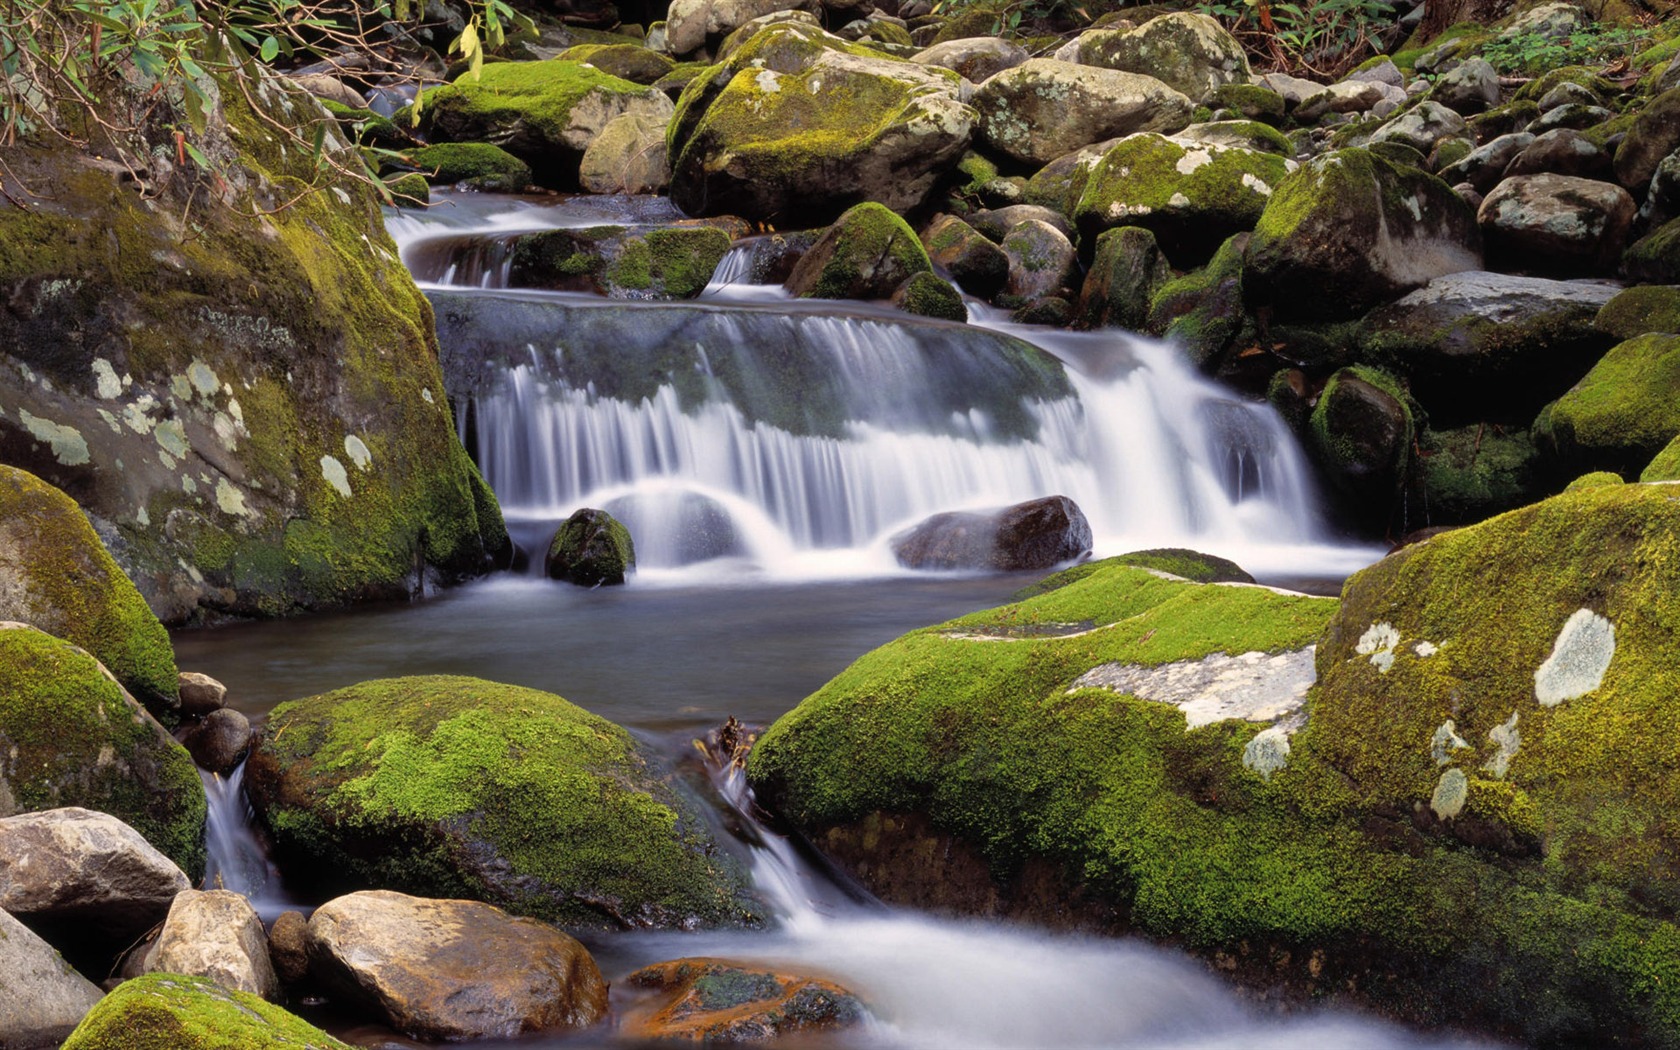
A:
{"x": 234, "y": 857}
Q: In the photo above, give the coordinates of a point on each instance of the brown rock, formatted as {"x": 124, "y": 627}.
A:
{"x": 74, "y": 865}
{"x": 288, "y": 947}
{"x": 216, "y": 934}
{"x": 219, "y": 743}
{"x": 201, "y": 694}
{"x": 449, "y": 969}
{"x": 713, "y": 1000}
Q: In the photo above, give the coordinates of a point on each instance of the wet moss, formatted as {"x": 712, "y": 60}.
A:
{"x": 165, "y": 1011}
{"x": 540, "y": 95}
{"x": 630, "y": 62}
{"x": 480, "y": 165}
{"x": 410, "y": 189}
{"x": 446, "y": 786}
{"x": 1624, "y": 411}
{"x": 669, "y": 264}
{"x": 866, "y": 254}
{"x": 929, "y": 295}
{"x": 1636, "y": 311}
{"x": 1475, "y": 472}
{"x": 1202, "y": 311}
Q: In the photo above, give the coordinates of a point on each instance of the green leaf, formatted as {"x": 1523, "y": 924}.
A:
{"x": 270, "y": 49}
{"x": 198, "y": 158}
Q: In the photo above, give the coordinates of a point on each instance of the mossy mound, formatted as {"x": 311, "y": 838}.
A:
{"x": 1636, "y": 311}
{"x": 1250, "y": 101}
{"x": 166, "y": 1011}
{"x": 1624, "y": 411}
{"x": 1126, "y": 271}
{"x": 1597, "y": 479}
{"x": 410, "y": 190}
{"x": 62, "y": 580}
{"x": 866, "y": 254}
{"x": 1474, "y": 472}
{"x": 478, "y": 165}
{"x": 1656, "y": 256}
{"x": 1178, "y": 561}
{"x": 1361, "y": 432}
{"x": 927, "y": 294}
{"x": 73, "y": 738}
{"x": 458, "y": 787}
{"x": 630, "y": 62}
{"x": 1665, "y": 465}
{"x": 618, "y": 261}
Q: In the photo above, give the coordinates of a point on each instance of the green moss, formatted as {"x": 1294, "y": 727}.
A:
{"x": 1202, "y": 311}
{"x": 868, "y": 241}
{"x": 1597, "y": 479}
{"x": 380, "y": 784}
{"x": 409, "y": 189}
{"x": 1251, "y": 100}
{"x": 1625, "y": 410}
{"x": 65, "y": 582}
{"x": 76, "y": 740}
{"x": 971, "y": 22}
{"x": 592, "y": 548}
{"x": 478, "y": 164}
{"x": 165, "y": 1011}
{"x": 672, "y": 263}
{"x": 1656, "y": 256}
{"x": 1665, "y": 465}
{"x": 1342, "y": 449}
{"x": 630, "y": 62}
{"x": 1475, "y": 472}
{"x": 1191, "y": 565}
{"x": 540, "y": 95}
{"x": 929, "y": 295}
{"x": 1540, "y": 86}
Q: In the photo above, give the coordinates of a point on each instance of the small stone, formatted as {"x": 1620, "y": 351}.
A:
{"x": 288, "y": 947}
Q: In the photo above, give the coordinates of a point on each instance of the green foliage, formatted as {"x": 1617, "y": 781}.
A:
{"x": 1597, "y": 44}
{"x": 1311, "y": 36}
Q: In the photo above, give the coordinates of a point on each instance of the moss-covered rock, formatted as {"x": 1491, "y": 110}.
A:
{"x": 1361, "y": 432}
{"x": 1665, "y": 465}
{"x": 1192, "y": 196}
{"x": 74, "y": 737}
{"x": 926, "y": 294}
{"x": 60, "y": 578}
{"x": 975, "y": 263}
{"x": 1623, "y": 412}
{"x": 545, "y": 113}
{"x": 1252, "y": 101}
{"x": 1188, "y": 51}
{"x": 591, "y": 549}
{"x": 631, "y": 62}
{"x": 1636, "y": 311}
{"x": 622, "y": 262}
{"x": 409, "y": 190}
{"x": 866, "y": 254}
{"x": 1043, "y": 108}
{"x": 1596, "y": 479}
{"x": 1202, "y": 311}
{"x": 166, "y": 1011}
{"x": 457, "y": 787}
{"x": 1349, "y": 231}
{"x": 761, "y": 134}
{"x": 477, "y": 165}
{"x": 1656, "y": 256}
{"x": 1653, "y": 136}
{"x": 1126, "y": 272}
{"x": 1176, "y": 561}
{"x": 247, "y": 405}
{"x": 1474, "y": 472}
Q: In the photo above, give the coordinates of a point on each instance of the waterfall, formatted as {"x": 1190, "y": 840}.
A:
{"x": 234, "y": 857}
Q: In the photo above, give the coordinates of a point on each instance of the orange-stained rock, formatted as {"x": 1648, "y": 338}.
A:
{"x": 716, "y": 999}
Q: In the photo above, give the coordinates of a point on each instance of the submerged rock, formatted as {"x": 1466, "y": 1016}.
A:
{"x": 592, "y": 549}
{"x": 451, "y": 969}
{"x": 166, "y": 1011}
{"x": 716, "y": 1000}
{"x": 457, "y": 787}
{"x": 44, "y": 998}
{"x": 1032, "y": 535}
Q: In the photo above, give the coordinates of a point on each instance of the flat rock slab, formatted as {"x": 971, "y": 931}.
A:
{"x": 717, "y": 1000}
{"x": 1255, "y": 687}
{"x": 76, "y": 864}
{"x": 1501, "y": 297}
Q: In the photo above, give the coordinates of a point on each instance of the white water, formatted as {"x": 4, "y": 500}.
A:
{"x": 235, "y": 858}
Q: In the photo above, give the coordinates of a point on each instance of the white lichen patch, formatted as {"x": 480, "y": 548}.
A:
{"x": 768, "y": 81}
{"x": 107, "y": 385}
{"x": 167, "y": 460}
{"x": 110, "y": 421}
{"x": 1257, "y": 184}
{"x": 1379, "y": 642}
{"x": 426, "y": 395}
{"x": 1426, "y": 649}
{"x": 230, "y": 499}
{"x": 138, "y": 415}
{"x": 203, "y": 378}
{"x": 1451, "y": 792}
{"x": 172, "y": 438}
{"x": 188, "y": 485}
{"x": 181, "y": 387}
{"x": 1445, "y": 741}
{"x": 1254, "y": 687}
{"x": 1580, "y": 656}
{"x": 1507, "y": 740}
{"x": 1268, "y": 752}
{"x": 358, "y": 452}
{"x": 227, "y": 431}
{"x": 1193, "y": 159}
{"x": 334, "y": 472}
{"x": 1179, "y": 200}
{"x": 236, "y": 413}
{"x": 67, "y": 444}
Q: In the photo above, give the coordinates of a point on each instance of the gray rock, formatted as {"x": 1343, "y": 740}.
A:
{"x": 201, "y": 694}
{"x": 219, "y": 743}
{"x": 331, "y": 89}
{"x": 216, "y": 934}
{"x": 1572, "y": 115}
{"x": 1552, "y": 21}
{"x": 1470, "y": 88}
{"x": 1654, "y": 135}
{"x": 1252, "y": 687}
{"x": 1294, "y": 90}
{"x": 997, "y": 222}
{"x": 975, "y": 59}
{"x": 1485, "y": 166}
{"x": 41, "y": 998}
{"x": 1566, "y": 94}
{"x": 453, "y": 969}
{"x": 1384, "y": 72}
{"x": 76, "y": 865}
{"x": 977, "y": 265}
{"x": 1422, "y": 127}
{"x": 1348, "y": 96}
{"x": 1562, "y": 152}
{"x": 1556, "y": 223}
{"x": 628, "y": 156}
{"x": 1188, "y": 51}
{"x": 689, "y": 24}
{"x": 1042, "y": 260}
{"x": 1033, "y": 535}
{"x": 1044, "y": 109}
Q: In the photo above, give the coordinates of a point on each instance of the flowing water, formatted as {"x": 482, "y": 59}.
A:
{"x": 763, "y": 532}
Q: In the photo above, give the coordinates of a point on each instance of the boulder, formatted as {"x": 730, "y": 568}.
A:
{"x": 628, "y": 156}
{"x": 631, "y": 62}
{"x": 591, "y": 549}
{"x": 1665, "y": 465}
{"x": 1485, "y": 346}
{"x": 716, "y": 1000}
{"x": 1190, "y": 52}
{"x": 996, "y": 223}
{"x": 288, "y": 947}
{"x": 621, "y": 262}
{"x": 1202, "y": 311}
{"x": 453, "y": 969}
{"x": 457, "y": 787}
{"x": 75, "y": 738}
{"x": 734, "y": 41}
{"x": 1654, "y": 135}
{"x": 545, "y": 113}
{"x": 1192, "y": 196}
{"x": 219, "y": 743}
{"x": 975, "y": 59}
{"x": 168, "y": 1011}
{"x": 1033, "y": 535}
{"x": 1180, "y": 562}
{"x": 866, "y": 254}
{"x": 1421, "y": 127}
{"x": 1621, "y": 413}
{"x": 1243, "y": 134}
{"x": 1472, "y": 86}
{"x": 56, "y": 575}
{"x": 928, "y": 295}
{"x": 1556, "y": 224}
{"x": 1348, "y": 96}
{"x": 1250, "y": 102}
{"x": 1484, "y": 167}
{"x": 200, "y": 694}
{"x": 1635, "y": 311}
{"x": 1561, "y": 152}
{"x": 977, "y": 265}
{"x": 691, "y": 24}
{"x": 1361, "y": 433}
{"x": 1554, "y": 21}
{"x": 1126, "y": 272}
{"x": 215, "y": 934}
{"x": 474, "y": 165}
{"x": 1044, "y": 109}
{"x": 1571, "y": 117}
{"x": 677, "y": 526}
{"x": 1656, "y": 256}
{"x": 1349, "y": 231}
{"x": 1041, "y": 260}
{"x": 44, "y": 998}
{"x": 1469, "y": 474}
{"x": 762, "y": 134}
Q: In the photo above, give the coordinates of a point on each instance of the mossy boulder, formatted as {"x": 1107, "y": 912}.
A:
{"x": 1243, "y": 134}
{"x": 974, "y": 262}
{"x": 1042, "y": 262}
{"x": 1202, "y": 311}
{"x": 692, "y": 24}
{"x": 167, "y": 1011}
{"x": 866, "y": 254}
{"x": 1653, "y": 136}
{"x": 1250, "y": 101}
{"x": 409, "y": 190}
{"x": 545, "y": 113}
{"x": 1596, "y": 479}
{"x": 457, "y": 787}
{"x": 1656, "y": 256}
{"x": 74, "y": 737}
{"x": 60, "y": 578}
{"x": 1192, "y": 196}
{"x": 926, "y": 294}
{"x": 1361, "y": 433}
{"x": 1126, "y": 272}
{"x": 247, "y": 406}
{"x": 591, "y": 549}
{"x": 1043, "y": 108}
{"x": 1176, "y": 561}
{"x": 761, "y": 134}
{"x": 1622, "y": 412}
{"x": 1189, "y": 51}
{"x": 1665, "y": 465}
{"x": 631, "y": 62}
{"x": 476, "y": 165}
{"x": 1471, "y": 473}
{"x": 1349, "y": 231}
{"x": 621, "y": 262}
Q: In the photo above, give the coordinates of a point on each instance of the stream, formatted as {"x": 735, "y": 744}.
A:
{"x": 773, "y": 572}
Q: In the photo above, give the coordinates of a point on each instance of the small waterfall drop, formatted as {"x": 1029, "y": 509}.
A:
{"x": 235, "y": 858}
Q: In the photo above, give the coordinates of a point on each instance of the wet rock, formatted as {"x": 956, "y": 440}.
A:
{"x": 449, "y": 969}
{"x": 1556, "y": 224}
{"x": 866, "y": 254}
{"x": 621, "y": 262}
{"x": 1190, "y": 52}
{"x": 1469, "y": 474}
{"x": 74, "y": 867}
{"x": 1484, "y": 167}
{"x": 1032, "y": 535}
{"x": 465, "y": 788}
{"x": 475, "y": 165}
{"x": 1635, "y": 311}
{"x": 215, "y": 934}
{"x": 1202, "y": 311}
{"x": 1126, "y": 272}
{"x": 1622, "y": 412}
{"x": 219, "y": 743}
{"x": 1654, "y": 135}
{"x": 56, "y": 575}
{"x": 166, "y": 1011}
{"x": 1361, "y": 433}
{"x": 1561, "y": 152}
{"x": 628, "y": 156}
{"x": 44, "y": 998}
{"x": 927, "y": 295}
{"x": 592, "y": 548}
{"x": 1570, "y": 117}
{"x": 288, "y": 947}
{"x": 1041, "y": 260}
{"x": 1656, "y": 256}
{"x": 713, "y": 1000}
{"x": 974, "y": 59}
{"x": 1044, "y": 109}
{"x": 978, "y": 266}
{"x": 200, "y": 694}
